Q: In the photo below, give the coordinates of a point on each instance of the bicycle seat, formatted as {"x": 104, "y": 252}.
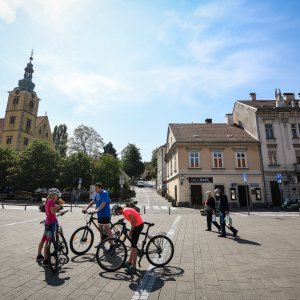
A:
{"x": 149, "y": 224}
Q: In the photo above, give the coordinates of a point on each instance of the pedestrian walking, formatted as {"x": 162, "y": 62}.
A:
{"x": 210, "y": 207}
{"x": 224, "y": 210}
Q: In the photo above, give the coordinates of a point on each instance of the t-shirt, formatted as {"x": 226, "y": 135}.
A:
{"x": 50, "y": 218}
{"x": 100, "y": 198}
{"x": 127, "y": 211}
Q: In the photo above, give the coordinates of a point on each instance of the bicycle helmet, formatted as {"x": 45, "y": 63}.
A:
{"x": 115, "y": 208}
{"x": 54, "y": 191}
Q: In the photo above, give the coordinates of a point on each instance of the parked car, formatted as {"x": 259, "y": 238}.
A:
{"x": 141, "y": 184}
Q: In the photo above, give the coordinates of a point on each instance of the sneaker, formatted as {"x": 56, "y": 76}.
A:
{"x": 40, "y": 257}
{"x": 127, "y": 265}
{"x": 222, "y": 235}
{"x": 130, "y": 270}
{"x": 235, "y": 233}
{"x": 207, "y": 229}
{"x": 45, "y": 263}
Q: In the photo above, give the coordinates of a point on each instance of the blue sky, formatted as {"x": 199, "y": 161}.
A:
{"x": 128, "y": 68}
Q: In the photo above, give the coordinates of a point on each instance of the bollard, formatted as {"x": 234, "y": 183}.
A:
{"x": 25, "y": 206}
{"x": 71, "y": 206}
{"x": 169, "y": 210}
{"x": 144, "y": 209}
{"x": 2, "y": 205}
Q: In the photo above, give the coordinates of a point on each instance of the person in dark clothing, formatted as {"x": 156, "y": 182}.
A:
{"x": 210, "y": 206}
{"x": 224, "y": 210}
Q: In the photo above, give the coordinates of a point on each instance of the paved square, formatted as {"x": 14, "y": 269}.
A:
{"x": 263, "y": 263}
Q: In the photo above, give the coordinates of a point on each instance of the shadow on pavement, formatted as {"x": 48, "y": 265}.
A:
{"x": 79, "y": 259}
{"x": 246, "y": 242}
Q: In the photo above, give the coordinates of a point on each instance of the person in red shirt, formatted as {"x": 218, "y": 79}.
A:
{"x": 137, "y": 225}
{"x": 52, "y": 205}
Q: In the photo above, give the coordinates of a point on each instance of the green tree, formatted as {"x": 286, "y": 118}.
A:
{"x": 132, "y": 161}
{"x": 153, "y": 164}
{"x": 39, "y": 166}
{"x": 107, "y": 170}
{"x": 109, "y": 149}
{"x": 8, "y": 167}
{"x": 75, "y": 166}
{"x": 86, "y": 140}
{"x": 60, "y": 139}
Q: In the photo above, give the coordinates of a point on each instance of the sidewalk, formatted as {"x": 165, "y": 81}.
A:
{"x": 263, "y": 263}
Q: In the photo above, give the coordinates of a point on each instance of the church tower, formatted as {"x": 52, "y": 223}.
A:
{"x": 21, "y": 123}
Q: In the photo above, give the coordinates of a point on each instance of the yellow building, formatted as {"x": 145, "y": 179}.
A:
{"x": 201, "y": 157}
{"x": 21, "y": 124}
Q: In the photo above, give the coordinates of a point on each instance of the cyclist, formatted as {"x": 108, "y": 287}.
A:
{"x": 52, "y": 205}
{"x": 102, "y": 210}
{"x": 137, "y": 224}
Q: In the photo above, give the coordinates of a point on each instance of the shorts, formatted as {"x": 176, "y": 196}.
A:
{"x": 49, "y": 232}
{"x": 103, "y": 220}
{"x": 135, "y": 234}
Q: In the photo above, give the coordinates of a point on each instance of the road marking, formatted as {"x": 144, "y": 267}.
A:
{"x": 155, "y": 207}
{"x": 11, "y": 224}
{"x": 146, "y": 284}
{"x": 164, "y": 207}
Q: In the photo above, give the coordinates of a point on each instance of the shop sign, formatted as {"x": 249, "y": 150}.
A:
{"x": 200, "y": 179}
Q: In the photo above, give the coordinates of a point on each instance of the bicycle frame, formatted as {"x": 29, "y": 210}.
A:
{"x": 140, "y": 250}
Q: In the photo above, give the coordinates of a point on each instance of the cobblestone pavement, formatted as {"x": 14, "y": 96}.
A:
{"x": 262, "y": 263}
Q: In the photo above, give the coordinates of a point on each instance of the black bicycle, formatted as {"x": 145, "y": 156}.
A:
{"x": 82, "y": 238}
{"x": 57, "y": 246}
{"x": 158, "y": 248}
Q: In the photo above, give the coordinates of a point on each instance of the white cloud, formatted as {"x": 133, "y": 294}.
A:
{"x": 8, "y": 10}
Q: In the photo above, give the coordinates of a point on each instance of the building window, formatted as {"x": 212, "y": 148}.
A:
{"x": 272, "y": 157}
{"x": 294, "y": 130}
{"x": 241, "y": 160}
{"x": 40, "y": 131}
{"x": 12, "y": 119}
{"x": 175, "y": 163}
{"x": 31, "y": 105}
{"x": 194, "y": 160}
{"x": 217, "y": 159}
{"x": 297, "y": 152}
{"x": 9, "y": 140}
{"x": 171, "y": 166}
{"x": 269, "y": 131}
{"x": 16, "y": 100}
{"x": 26, "y": 141}
{"x": 46, "y": 134}
{"x": 28, "y": 125}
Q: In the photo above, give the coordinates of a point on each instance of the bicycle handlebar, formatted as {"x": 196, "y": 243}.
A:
{"x": 58, "y": 215}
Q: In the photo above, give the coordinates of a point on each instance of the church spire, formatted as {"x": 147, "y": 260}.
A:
{"x": 26, "y": 83}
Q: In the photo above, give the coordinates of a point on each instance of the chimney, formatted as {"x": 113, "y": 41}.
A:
{"x": 289, "y": 96}
{"x": 229, "y": 119}
{"x": 253, "y": 96}
{"x": 208, "y": 121}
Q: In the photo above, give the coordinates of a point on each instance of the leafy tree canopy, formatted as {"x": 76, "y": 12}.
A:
{"x": 60, "y": 139}
{"x": 39, "y": 166}
{"x": 107, "y": 170}
{"x": 86, "y": 140}
{"x": 109, "y": 149}
{"x": 132, "y": 161}
{"x": 8, "y": 167}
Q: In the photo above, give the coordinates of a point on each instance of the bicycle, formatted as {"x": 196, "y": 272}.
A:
{"x": 159, "y": 249}
{"x": 82, "y": 238}
{"x": 57, "y": 246}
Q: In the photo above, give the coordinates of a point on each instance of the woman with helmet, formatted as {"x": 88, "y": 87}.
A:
{"x": 137, "y": 224}
{"x": 52, "y": 205}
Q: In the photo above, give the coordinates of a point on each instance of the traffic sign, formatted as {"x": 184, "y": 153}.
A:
{"x": 278, "y": 177}
{"x": 245, "y": 178}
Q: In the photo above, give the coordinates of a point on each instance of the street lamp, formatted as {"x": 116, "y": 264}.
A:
{"x": 182, "y": 179}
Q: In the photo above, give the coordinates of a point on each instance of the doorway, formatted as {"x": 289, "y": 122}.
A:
{"x": 243, "y": 192}
{"x": 196, "y": 195}
{"x": 275, "y": 193}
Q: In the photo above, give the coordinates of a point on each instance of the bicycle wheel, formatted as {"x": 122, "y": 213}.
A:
{"x": 62, "y": 244}
{"x": 111, "y": 260}
{"x": 81, "y": 240}
{"x": 159, "y": 250}
{"x": 53, "y": 256}
{"x": 116, "y": 230}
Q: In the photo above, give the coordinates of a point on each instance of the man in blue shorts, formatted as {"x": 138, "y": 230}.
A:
{"x": 102, "y": 209}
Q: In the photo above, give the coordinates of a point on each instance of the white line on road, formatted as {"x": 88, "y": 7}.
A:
{"x": 145, "y": 286}
{"x": 11, "y": 224}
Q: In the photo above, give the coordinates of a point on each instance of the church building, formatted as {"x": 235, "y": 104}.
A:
{"x": 21, "y": 124}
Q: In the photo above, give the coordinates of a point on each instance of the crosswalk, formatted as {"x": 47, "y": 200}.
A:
{"x": 156, "y": 207}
